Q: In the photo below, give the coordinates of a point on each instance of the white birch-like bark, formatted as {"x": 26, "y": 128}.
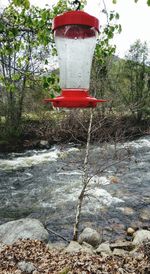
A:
{"x": 85, "y": 181}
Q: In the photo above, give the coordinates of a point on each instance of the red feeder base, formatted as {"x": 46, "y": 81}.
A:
{"x": 74, "y": 98}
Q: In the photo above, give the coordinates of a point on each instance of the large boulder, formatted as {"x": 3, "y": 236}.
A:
{"x": 90, "y": 236}
{"x": 140, "y": 236}
{"x": 23, "y": 229}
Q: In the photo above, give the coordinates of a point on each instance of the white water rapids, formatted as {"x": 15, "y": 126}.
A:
{"x": 45, "y": 184}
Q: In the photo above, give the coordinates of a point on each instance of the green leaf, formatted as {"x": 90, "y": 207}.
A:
{"x": 1, "y": 27}
{"x": 148, "y": 2}
{"x": 114, "y": 1}
{"x": 44, "y": 15}
{"x": 52, "y": 95}
{"x": 49, "y": 79}
{"x": 119, "y": 28}
{"x": 45, "y": 85}
{"x": 24, "y": 3}
{"x": 117, "y": 16}
{"x": 111, "y": 16}
{"x": 16, "y": 77}
{"x": 11, "y": 87}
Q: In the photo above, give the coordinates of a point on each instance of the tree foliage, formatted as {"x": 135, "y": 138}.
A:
{"x": 130, "y": 81}
{"x": 137, "y": 72}
{"x": 26, "y": 41}
{"x": 105, "y": 49}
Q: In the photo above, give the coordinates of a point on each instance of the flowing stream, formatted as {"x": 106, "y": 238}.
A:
{"x": 45, "y": 184}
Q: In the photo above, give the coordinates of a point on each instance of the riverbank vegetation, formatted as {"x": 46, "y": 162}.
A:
{"x": 62, "y": 127}
{"x": 27, "y": 76}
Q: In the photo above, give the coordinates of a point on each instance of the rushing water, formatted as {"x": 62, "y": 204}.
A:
{"x": 45, "y": 184}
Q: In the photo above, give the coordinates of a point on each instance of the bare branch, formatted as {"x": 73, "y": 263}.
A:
{"x": 85, "y": 181}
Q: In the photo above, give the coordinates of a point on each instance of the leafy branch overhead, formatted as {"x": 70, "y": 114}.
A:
{"x": 104, "y": 48}
{"x": 26, "y": 40}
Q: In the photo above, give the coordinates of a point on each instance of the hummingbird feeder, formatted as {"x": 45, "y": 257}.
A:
{"x": 75, "y": 34}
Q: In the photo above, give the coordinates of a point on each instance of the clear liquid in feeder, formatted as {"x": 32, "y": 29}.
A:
{"x": 75, "y": 35}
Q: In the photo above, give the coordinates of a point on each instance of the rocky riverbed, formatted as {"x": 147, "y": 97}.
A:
{"x": 90, "y": 255}
{"x": 45, "y": 184}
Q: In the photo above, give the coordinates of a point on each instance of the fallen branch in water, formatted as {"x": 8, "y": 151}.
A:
{"x": 57, "y": 234}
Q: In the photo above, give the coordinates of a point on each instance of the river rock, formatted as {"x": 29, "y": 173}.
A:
{"x": 44, "y": 144}
{"x": 23, "y": 229}
{"x": 27, "y": 267}
{"x": 58, "y": 246}
{"x": 130, "y": 231}
{"x": 121, "y": 245}
{"x": 140, "y": 236}
{"x": 104, "y": 248}
{"x": 114, "y": 179}
{"x": 126, "y": 210}
{"x": 90, "y": 236}
{"x": 120, "y": 252}
{"x": 73, "y": 247}
{"x": 145, "y": 214}
{"x": 87, "y": 248}
{"x": 76, "y": 247}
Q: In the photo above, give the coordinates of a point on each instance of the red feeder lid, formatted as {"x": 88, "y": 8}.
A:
{"x": 75, "y": 18}
{"x": 75, "y": 98}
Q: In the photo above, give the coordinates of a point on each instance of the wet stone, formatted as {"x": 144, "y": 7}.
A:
{"x": 126, "y": 210}
{"x": 130, "y": 231}
{"x": 145, "y": 214}
{"x": 140, "y": 236}
{"x": 44, "y": 144}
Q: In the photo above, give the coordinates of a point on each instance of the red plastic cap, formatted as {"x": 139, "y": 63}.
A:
{"x": 75, "y": 98}
{"x": 75, "y": 18}
{"x": 75, "y": 31}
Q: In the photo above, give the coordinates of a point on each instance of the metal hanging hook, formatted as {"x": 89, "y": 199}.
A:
{"x": 77, "y": 2}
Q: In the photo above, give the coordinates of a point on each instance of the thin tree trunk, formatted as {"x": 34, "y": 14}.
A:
{"x": 85, "y": 181}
